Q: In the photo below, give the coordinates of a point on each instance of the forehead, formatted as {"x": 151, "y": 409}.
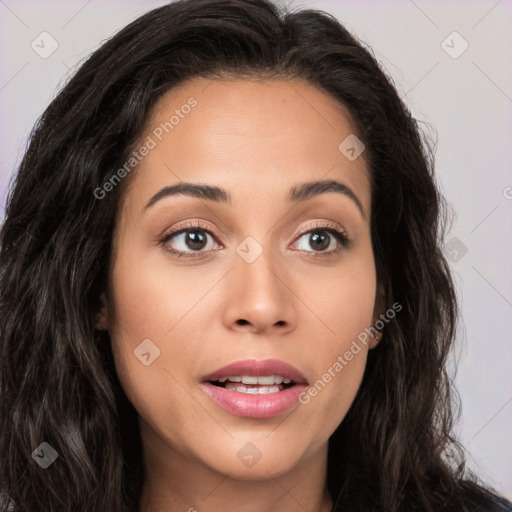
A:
{"x": 253, "y": 137}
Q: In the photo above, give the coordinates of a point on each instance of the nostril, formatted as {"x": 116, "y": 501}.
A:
{"x": 242, "y": 322}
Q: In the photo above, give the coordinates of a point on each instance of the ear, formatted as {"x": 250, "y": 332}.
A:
{"x": 102, "y": 318}
{"x": 378, "y": 310}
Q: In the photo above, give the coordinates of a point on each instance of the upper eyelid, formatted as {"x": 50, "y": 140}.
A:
{"x": 323, "y": 225}
{"x": 303, "y": 231}
{"x": 187, "y": 227}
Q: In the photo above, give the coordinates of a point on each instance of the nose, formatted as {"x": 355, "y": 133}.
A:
{"x": 259, "y": 297}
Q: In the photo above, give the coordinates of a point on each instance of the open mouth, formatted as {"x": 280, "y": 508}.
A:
{"x": 254, "y": 388}
{"x": 254, "y": 385}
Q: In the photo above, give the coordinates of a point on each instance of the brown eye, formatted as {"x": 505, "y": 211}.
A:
{"x": 191, "y": 240}
{"x": 320, "y": 239}
{"x": 187, "y": 240}
{"x": 194, "y": 240}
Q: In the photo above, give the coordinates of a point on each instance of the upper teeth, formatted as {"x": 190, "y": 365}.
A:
{"x": 264, "y": 380}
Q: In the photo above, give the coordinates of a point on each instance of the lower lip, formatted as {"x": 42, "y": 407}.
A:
{"x": 254, "y": 406}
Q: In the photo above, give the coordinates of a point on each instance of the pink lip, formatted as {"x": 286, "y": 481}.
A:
{"x": 255, "y": 406}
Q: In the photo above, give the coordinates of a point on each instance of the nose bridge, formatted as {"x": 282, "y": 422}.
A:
{"x": 257, "y": 292}
{"x": 265, "y": 256}
{"x": 257, "y": 267}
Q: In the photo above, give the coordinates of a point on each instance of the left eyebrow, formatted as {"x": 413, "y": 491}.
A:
{"x": 312, "y": 189}
{"x": 298, "y": 193}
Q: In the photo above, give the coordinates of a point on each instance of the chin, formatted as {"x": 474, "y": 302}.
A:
{"x": 256, "y": 457}
{"x": 261, "y": 470}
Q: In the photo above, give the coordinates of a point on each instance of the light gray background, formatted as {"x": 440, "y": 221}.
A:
{"x": 466, "y": 100}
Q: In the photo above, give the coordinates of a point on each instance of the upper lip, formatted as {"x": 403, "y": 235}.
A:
{"x": 257, "y": 368}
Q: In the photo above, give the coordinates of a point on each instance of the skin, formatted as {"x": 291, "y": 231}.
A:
{"x": 255, "y": 139}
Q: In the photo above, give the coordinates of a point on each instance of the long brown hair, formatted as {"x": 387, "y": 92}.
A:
{"x": 394, "y": 450}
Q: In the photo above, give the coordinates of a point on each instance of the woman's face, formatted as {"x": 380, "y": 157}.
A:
{"x": 251, "y": 285}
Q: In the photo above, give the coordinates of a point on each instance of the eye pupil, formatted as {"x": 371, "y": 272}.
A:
{"x": 324, "y": 241}
{"x": 195, "y": 239}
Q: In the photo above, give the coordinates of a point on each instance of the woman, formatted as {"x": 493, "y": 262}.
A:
{"x": 287, "y": 353}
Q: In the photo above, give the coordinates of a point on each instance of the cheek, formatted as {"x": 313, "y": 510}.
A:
{"x": 144, "y": 322}
{"x": 141, "y": 299}
{"x": 154, "y": 310}
{"x": 150, "y": 300}
{"x": 142, "y": 310}
{"x": 343, "y": 301}
{"x": 340, "y": 365}
{"x": 346, "y": 306}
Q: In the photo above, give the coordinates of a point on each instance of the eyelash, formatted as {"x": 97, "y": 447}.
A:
{"x": 339, "y": 235}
